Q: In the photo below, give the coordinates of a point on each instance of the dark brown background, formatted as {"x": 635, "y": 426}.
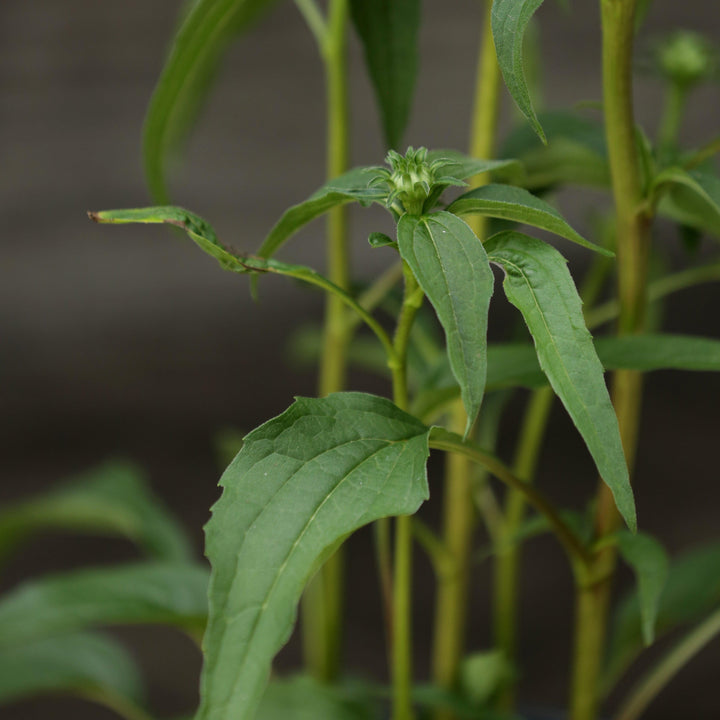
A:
{"x": 126, "y": 342}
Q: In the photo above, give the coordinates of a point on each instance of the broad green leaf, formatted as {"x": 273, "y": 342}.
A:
{"x": 303, "y": 698}
{"x": 692, "y": 591}
{"x": 518, "y": 205}
{"x": 647, "y": 557}
{"x": 112, "y": 499}
{"x": 575, "y": 153}
{"x": 451, "y": 265}
{"x": 510, "y": 19}
{"x": 172, "y": 594}
{"x": 389, "y": 31}
{"x": 538, "y": 283}
{"x": 302, "y": 482}
{"x": 201, "y": 40}
{"x": 689, "y": 197}
{"x": 86, "y": 664}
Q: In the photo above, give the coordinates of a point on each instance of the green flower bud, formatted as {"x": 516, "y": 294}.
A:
{"x": 686, "y": 58}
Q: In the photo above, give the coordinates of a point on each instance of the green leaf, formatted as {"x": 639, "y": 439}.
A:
{"x": 201, "y": 40}
{"x": 378, "y": 240}
{"x": 303, "y": 698}
{"x": 691, "y": 592}
{"x": 538, "y": 283}
{"x": 575, "y": 154}
{"x": 83, "y": 663}
{"x": 302, "y": 482}
{"x": 451, "y": 265}
{"x": 171, "y": 594}
{"x": 518, "y": 205}
{"x": 659, "y": 352}
{"x": 510, "y": 19}
{"x": 648, "y": 559}
{"x": 482, "y": 675}
{"x": 389, "y": 31}
{"x": 113, "y": 499}
{"x": 689, "y": 197}
{"x": 458, "y": 166}
{"x": 352, "y": 186}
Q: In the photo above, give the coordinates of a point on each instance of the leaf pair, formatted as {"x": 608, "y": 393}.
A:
{"x": 452, "y": 267}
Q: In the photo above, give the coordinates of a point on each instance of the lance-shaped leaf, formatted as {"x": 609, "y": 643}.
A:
{"x": 86, "y": 664}
{"x": 539, "y": 284}
{"x": 301, "y": 483}
{"x": 113, "y": 499}
{"x": 690, "y": 197}
{"x": 389, "y": 33}
{"x": 352, "y": 186}
{"x": 169, "y": 594}
{"x": 457, "y": 166}
{"x": 691, "y": 592}
{"x": 647, "y": 557}
{"x": 510, "y": 19}
{"x": 516, "y": 364}
{"x": 201, "y": 40}
{"x": 508, "y": 202}
{"x": 452, "y": 268}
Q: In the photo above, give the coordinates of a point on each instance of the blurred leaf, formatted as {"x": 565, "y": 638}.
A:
{"x": 510, "y": 19}
{"x": 648, "y": 559}
{"x": 575, "y": 153}
{"x": 83, "y": 664}
{"x": 302, "y": 482}
{"x": 482, "y": 675}
{"x": 452, "y": 267}
{"x": 689, "y": 197}
{"x": 538, "y": 283}
{"x": 200, "y": 43}
{"x": 302, "y": 698}
{"x": 159, "y": 593}
{"x": 113, "y": 499}
{"x": 518, "y": 205}
{"x": 389, "y": 31}
{"x": 459, "y": 166}
{"x": 692, "y": 592}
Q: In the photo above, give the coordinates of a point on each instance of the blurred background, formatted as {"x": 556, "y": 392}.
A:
{"x": 127, "y": 342}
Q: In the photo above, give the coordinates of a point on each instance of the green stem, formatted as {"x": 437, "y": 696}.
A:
{"x": 575, "y": 548}
{"x": 671, "y": 120}
{"x": 505, "y": 595}
{"x": 660, "y": 675}
{"x": 458, "y": 511}
{"x": 323, "y": 604}
{"x": 592, "y": 599}
{"x": 401, "y": 652}
{"x": 459, "y": 519}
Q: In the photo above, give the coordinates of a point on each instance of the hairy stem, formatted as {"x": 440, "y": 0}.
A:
{"x": 592, "y": 599}
{"x": 323, "y": 603}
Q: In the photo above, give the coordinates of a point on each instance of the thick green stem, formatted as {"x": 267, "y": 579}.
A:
{"x": 505, "y": 589}
{"x": 458, "y": 513}
{"x": 452, "y": 587}
{"x": 592, "y": 599}
{"x": 401, "y": 652}
{"x": 323, "y": 603}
